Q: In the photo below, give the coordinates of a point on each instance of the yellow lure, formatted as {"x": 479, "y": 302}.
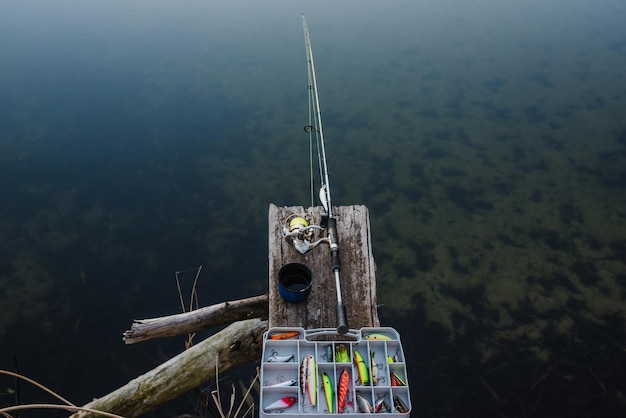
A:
{"x": 329, "y": 392}
{"x": 377, "y": 337}
{"x": 364, "y": 374}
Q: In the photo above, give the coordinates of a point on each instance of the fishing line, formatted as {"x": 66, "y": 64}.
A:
{"x": 328, "y": 221}
{"x": 317, "y": 116}
{"x": 310, "y": 129}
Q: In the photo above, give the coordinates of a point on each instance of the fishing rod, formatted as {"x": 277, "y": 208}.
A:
{"x": 327, "y": 219}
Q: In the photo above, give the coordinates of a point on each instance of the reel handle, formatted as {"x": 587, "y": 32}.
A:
{"x": 342, "y": 319}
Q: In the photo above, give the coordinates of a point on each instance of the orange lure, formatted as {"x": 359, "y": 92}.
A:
{"x": 342, "y": 390}
{"x": 284, "y": 335}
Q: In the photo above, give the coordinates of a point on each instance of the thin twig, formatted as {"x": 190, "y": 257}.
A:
{"x": 54, "y": 406}
{"x": 193, "y": 298}
{"x": 194, "y": 294}
{"x": 545, "y": 375}
{"x": 180, "y": 293}
{"x": 39, "y": 385}
{"x": 597, "y": 379}
{"x": 215, "y": 394}
{"x": 217, "y": 390}
{"x": 256, "y": 377}
{"x": 232, "y": 400}
{"x": 489, "y": 388}
{"x": 18, "y": 391}
{"x": 535, "y": 404}
{"x": 251, "y": 410}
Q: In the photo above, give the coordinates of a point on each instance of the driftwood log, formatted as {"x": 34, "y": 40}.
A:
{"x": 197, "y": 320}
{"x": 237, "y": 344}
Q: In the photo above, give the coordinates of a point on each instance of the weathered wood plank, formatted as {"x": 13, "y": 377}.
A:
{"x": 358, "y": 280}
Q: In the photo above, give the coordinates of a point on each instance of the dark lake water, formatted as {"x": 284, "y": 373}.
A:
{"x": 487, "y": 139}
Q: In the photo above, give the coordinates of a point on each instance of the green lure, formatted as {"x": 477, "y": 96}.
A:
{"x": 329, "y": 392}
{"x": 341, "y": 354}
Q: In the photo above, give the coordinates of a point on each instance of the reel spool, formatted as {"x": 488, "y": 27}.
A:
{"x": 299, "y": 232}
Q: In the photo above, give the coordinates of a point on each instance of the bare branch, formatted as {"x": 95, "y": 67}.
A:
{"x": 198, "y": 320}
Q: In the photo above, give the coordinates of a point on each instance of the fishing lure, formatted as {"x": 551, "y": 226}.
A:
{"x": 397, "y": 380}
{"x": 374, "y": 369}
{"x": 329, "y": 353}
{"x": 364, "y": 405}
{"x": 400, "y": 405}
{"x": 303, "y": 374}
{"x": 279, "y": 359}
{"x": 311, "y": 379}
{"x": 284, "y": 335}
{"x": 329, "y": 392}
{"x": 377, "y": 337}
{"x": 341, "y": 354}
{"x": 282, "y": 403}
{"x": 342, "y": 390}
{"x": 364, "y": 375}
{"x": 380, "y": 404}
{"x": 291, "y": 382}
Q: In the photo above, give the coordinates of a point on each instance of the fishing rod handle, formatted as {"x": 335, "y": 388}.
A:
{"x": 334, "y": 261}
{"x": 332, "y": 231}
{"x": 335, "y": 264}
{"x": 342, "y": 319}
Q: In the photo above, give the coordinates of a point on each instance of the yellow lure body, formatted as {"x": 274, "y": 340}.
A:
{"x": 329, "y": 392}
{"x": 377, "y": 337}
{"x": 364, "y": 375}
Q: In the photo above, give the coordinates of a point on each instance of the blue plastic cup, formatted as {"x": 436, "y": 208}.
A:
{"x": 294, "y": 282}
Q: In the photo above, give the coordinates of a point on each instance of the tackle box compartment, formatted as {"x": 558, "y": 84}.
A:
{"x": 284, "y": 349}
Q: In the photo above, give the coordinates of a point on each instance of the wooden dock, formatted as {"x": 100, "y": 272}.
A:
{"x": 358, "y": 280}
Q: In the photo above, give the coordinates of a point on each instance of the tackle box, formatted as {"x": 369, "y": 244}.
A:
{"x": 285, "y": 348}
